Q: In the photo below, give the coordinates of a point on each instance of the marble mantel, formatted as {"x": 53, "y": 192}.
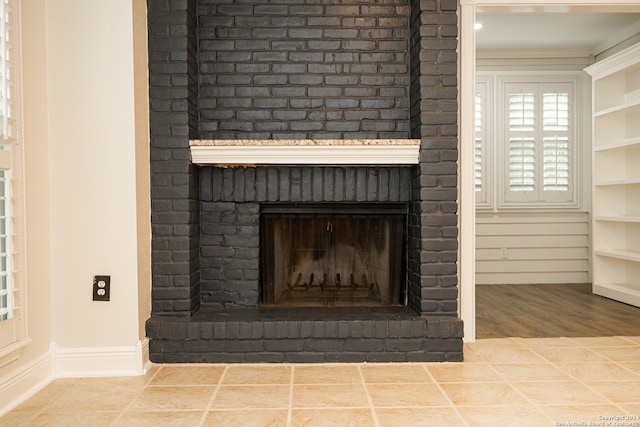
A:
{"x": 304, "y": 152}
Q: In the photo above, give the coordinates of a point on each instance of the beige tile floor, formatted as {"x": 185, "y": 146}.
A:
{"x": 503, "y": 382}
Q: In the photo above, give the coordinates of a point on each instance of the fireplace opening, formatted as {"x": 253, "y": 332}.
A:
{"x": 333, "y": 255}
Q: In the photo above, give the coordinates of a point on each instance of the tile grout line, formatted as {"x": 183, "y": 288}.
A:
{"x": 581, "y": 344}
{"x": 290, "y": 408}
{"x": 531, "y": 403}
{"x": 372, "y": 408}
{"x": 213, "y": 396}
{"x": 627, "y": 338}
{"x": 444, "y": 393}
{"x": 41, "y": 409}
{"x": 146, "y": 384}
{"x": 577, "y": 380}
{"x": 609, "y": 360}
{"x": 544, "y": 360}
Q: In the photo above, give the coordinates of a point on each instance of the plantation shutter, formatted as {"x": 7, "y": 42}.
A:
{"x": 521, "y": 146}
{"x": 480, "y": 112}
{"x": 7, "y": 144}
{"x": 13, "y": 320}
{"x": 538, "y": 142}
{"x": 556, "y": 142}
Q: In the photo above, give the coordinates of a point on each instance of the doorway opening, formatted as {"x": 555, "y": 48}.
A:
{"x": 510, "y": 12}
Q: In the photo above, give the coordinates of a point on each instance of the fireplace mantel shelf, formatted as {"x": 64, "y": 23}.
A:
{"x": 305, "y": 151}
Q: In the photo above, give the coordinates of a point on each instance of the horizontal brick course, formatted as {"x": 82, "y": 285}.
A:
{"x": 396, "y": 335}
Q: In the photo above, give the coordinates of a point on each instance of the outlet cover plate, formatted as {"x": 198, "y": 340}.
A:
{"x": 101, "y": 288}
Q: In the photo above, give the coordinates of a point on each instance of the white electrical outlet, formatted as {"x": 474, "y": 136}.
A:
{"x": 101, "y": 288}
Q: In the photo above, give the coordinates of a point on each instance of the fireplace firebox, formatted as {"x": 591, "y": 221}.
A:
{"x": 332, "y": 256}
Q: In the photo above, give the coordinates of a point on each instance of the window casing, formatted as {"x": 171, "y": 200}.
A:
{"x": 13, "y": 325}
{"x": 535, "y": 141}
{"x": 483, "y": 130}
{"x": 7, "y": 303}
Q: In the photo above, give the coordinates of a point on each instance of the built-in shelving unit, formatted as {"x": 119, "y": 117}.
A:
{"x": 616, "y": 176}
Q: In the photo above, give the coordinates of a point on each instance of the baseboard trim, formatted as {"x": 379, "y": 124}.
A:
{"x": 24, "y": 382}
{"x": 83, "y": 362}
{"x": 142, "y": 349}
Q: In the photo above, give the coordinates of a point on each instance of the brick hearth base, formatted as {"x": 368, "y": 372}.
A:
{"x": 303, "y": 335}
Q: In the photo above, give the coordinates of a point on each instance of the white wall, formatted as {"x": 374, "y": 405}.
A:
{"x": 90, "y": 62}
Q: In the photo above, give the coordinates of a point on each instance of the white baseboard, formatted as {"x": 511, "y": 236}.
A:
{"x": 24, "y": 382}
{"x": 142, "y": 347}
{"x": 101, "y": 361}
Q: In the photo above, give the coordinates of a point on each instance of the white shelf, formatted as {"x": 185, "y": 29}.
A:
{"x": 619, "y": 291}
{"x": 619, "y": 254}
{"x": 631, "y": 142}
{"x": 616, "y": 176}
{"x": 632, "y": 96}
{"x": 617, "y": 218}
{"x": 631, "y": 181}
{"x": 624, "y": 107}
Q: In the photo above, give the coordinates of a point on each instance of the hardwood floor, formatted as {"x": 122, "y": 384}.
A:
{"x": 558, "y": 310}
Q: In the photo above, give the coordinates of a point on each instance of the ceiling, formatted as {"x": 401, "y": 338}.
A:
{"x": 538, "y": 30}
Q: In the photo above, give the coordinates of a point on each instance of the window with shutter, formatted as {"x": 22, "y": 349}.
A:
{"x": 525, "y": 140}
{"x": 538, "y": 139}
{"x": 13, "y": 328}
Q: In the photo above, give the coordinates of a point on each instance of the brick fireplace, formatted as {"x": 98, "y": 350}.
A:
{"x": 326, "y": 70}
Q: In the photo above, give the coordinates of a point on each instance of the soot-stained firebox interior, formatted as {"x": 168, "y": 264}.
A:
{"x": 332, "y": 256}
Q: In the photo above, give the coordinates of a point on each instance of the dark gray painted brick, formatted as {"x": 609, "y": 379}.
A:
{"x": 305, "y": 357}
{"x": 386, "y": 357}
{"x": 265, "y": 357}
{"x": 243, "y": 346}
{"x": 323, "y": 345}
{"x": 366, "y": 92}
{"x": 357, "y": 331}
{"x": 284, "y": 345}
{"x": 344, "y": 329}
{"x": 364, "y": 345}
{"x": 277, "y": 39}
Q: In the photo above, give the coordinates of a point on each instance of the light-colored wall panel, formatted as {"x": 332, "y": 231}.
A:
{"x": 533, "y": 266}
{"x": 563, "y": 253}
{"x": 524, "y": 241}
{"x": 529, "y": 278}
{"x": 533, "y": 229}
{"x": 532, "y": 248}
